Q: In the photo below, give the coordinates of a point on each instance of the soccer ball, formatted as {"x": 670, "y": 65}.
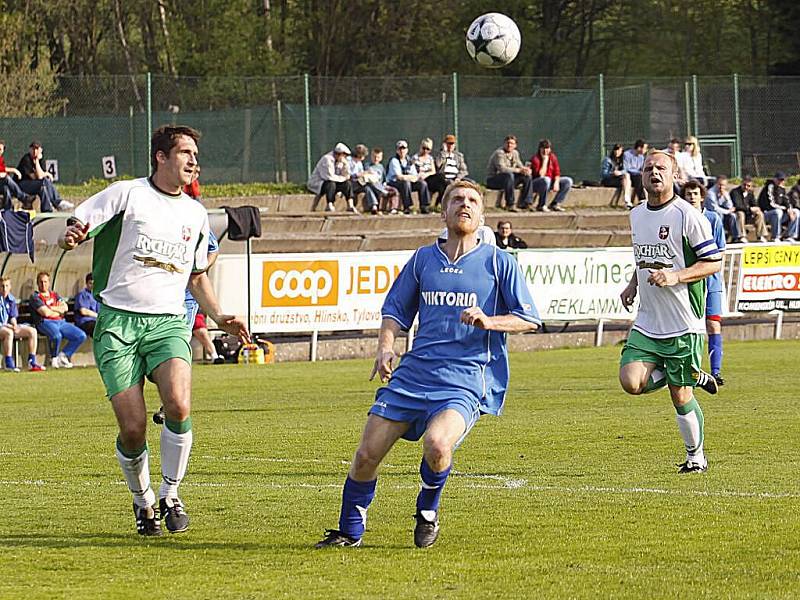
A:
{"x": 493, "y": 40}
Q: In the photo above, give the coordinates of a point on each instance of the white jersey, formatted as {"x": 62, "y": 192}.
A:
{"x": 672, "y": 236}
{"x": 146, "y": 244}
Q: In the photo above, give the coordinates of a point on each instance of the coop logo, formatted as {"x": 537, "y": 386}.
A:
{"x": 300, "y": 283}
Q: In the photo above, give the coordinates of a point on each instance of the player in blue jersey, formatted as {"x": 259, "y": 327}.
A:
{"x": 694, "y": 193}
{"x": 467, "y": 295}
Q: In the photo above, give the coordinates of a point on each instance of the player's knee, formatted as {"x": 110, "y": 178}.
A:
{"x": 438, "y": 453}
{"x": 178, "y": 408}
{"x": 631, "y": 385}
{"x": 133, "y": 435}
{"x": 364, "y": 459}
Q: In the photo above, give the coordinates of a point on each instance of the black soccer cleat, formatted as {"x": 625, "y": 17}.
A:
{"x": 692, "y": 467}
{"x": 175, "y": 518}
{"x": 336, "y": 539}
{"x": 706, "y": 382}
{"x": 425, "y": 532}
{"x": 158, "y": 416}
{"x": 148, "y": 520}
{"x": 718, "y": 378}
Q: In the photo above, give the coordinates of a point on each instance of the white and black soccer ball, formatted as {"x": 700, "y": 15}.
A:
{"x": 493, "y": 40}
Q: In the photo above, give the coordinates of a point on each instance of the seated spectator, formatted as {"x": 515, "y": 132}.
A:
{"x": 423, "y": 160}
{"x": 614, "y": 175}
{"x": 86, "y": 307}
{"x": 718, "y": 201}
{"x": 776, "y": 206}
{"x": 506, "y": 172}
{"x": 632, "y": 162}
{"x": 331, "y": 175}
{"x": 547, "y": 176}
{"x": 11, "y": 330}
{"x": 35, "y": 181}
{"x": 694, "y": 164}
{"x": 402, "y": 175}
{"x": 374, "y": 178}
{"x": 683, "y": 161}
{"x": 505, "y": 237}
{"x": 357, "y": 181}
{"x": 9, "y": 187}
{"x": 450, "y": 167}
{"x": 747, "y": 210}
{"x": 47, "y": 312}
{"x": 200, "y": 333}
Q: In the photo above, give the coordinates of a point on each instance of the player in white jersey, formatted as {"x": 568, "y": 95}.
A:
{"x": 150, "y": 241}
{"x": 674, "y": 251}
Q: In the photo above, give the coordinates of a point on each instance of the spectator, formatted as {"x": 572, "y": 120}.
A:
{"x": 633, "y": 161}
{"x": 774, "y": 203}
{"x": 547, "y": 176}
{"x": 47, "y": 311}
{"x": 11, "y": 330}
{"x": 402, "y": 175}
{"x": 506, "y": 238}
{"x": 506, "y": 172}
{"x": 193, "y": 189}
{"x": 747, "y": 210}
{"x": 694, "y": 165}
{"x": 614, "y": 175}
{"x": 9, "y": 187}
{"x": 450, "y": 167}
{"x": 423, "y": 160}
{"x": 357, "y": 182}
{"x": 86, "y": 307}
{"x": 719, "y": 201}
{"x": 35, "y": 181}
{"x": 331, "y": 175}
{"x": 683, "y": 161}
{"x": 374, "y": 181}
{"x": 200, "y": 333}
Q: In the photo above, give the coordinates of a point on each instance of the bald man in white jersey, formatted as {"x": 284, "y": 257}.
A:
{"x": 675, "y": 252}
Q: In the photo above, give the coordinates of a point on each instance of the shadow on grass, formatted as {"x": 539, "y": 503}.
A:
{"x": 119, "y": 540}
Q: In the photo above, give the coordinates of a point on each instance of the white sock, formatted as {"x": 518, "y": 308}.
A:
{"x": 175, "y": 450}
{"x": 689, "y": 427}
{"x": 137, "y": 475}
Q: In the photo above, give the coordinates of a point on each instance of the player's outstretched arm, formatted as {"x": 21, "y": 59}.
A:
{"x": 506, "y": 323}
{"x": 200, "y": 287}
{"x": 384, "y": 360}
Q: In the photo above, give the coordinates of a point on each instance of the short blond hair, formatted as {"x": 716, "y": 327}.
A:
{"x": 672, "y": 159}
{"x": 461, "y": 184}
{"x": 4, "y": 279}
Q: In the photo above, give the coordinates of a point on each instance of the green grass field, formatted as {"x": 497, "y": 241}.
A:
{"x": 572, "y": 493}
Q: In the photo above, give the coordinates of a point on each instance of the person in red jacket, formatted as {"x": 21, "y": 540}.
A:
{"x": 547, "y": 176}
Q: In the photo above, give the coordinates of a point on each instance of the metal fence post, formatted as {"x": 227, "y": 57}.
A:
{"x": 694, "y": 107}
{"x": 149, "y": 120}
{"x": 455, "y": 104}
{"x": 602, "y": 110}
{"x": 687, "y": 108}
{"x": 307, "y": 101}
{"x": 738, "y": 122}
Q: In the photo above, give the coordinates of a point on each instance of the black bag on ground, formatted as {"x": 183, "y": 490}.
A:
{"x": 228, "y": 347}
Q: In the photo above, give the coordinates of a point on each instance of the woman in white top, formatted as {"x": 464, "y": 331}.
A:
{"x": 694, "y": 165}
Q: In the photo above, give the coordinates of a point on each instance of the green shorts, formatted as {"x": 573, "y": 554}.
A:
{"x": 679, "y": 357}
{"x": 128, "y": 345}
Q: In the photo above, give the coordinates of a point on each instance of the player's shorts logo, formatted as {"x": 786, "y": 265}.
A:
{"x": 663, "y": 232}
{"x": 300, "y": 283}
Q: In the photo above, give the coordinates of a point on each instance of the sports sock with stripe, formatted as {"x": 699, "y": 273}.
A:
{"x": 432, "y": 487}
{"x": 136, "y": 470}
{"x": 176, "y": 445}
{"x": 690, "y": 424}
{"x": 356, "y": 498}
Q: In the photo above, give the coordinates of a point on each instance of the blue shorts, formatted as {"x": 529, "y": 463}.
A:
{"x": 192, "y": 308}
{"x": 419, "y": 410}
{"x": 714, "y": 304}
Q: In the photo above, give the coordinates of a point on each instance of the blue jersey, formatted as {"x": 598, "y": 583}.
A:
{"x": 448, "y": 357}
{"x": 714, "y": 282}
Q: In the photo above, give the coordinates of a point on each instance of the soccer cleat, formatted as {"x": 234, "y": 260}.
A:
{"x": 425, "y": 532}
{"x": 158, "y": 416}
{"x": 175, "y": 517}
{"x": 336, "y": 539}
{"x": 719, "y": 379}
{"x": 706, "y": 382}
{"x": 148, "y": 520}
{"x": 64, "y": 361}
{"x": 692, "y": 467}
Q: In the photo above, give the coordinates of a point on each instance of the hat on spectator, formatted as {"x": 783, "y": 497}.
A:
{"x": 780, "y": 175}
{"x": 426, "y": 143}
{"x": 341, "y": 148}
{"x": 450, "y": 138}
{"x": 401, "y": 144}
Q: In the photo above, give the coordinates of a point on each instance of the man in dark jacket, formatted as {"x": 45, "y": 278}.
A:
{"x": 778, "y": 211}
{"x": 747, "y": 209}
{"x": 506, "y": 238}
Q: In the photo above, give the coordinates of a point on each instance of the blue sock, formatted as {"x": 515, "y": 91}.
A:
{"x": 432, "y": 486}
{"x": 10, "y": 362}
{"x": 356, "y": 498}
{"x": 31, "y": 359}
{"x": 715, "y": 352}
